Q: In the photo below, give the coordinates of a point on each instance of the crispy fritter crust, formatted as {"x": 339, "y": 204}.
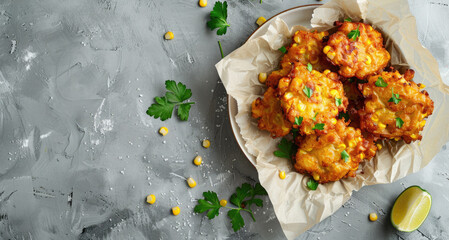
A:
{"x": 270, "y": 113}
{"x": 307, "y": 47}
{"x": 321, "y": 107}
{"x": 320, "y": 156}
{"x": 379, "y": 115}
{"x": 361, "y": 57}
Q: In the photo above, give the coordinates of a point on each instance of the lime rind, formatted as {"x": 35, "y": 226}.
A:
{"x": 425, "y": 194}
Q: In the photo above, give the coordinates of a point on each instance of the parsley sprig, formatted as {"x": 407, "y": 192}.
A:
{"x": 344, "y": 156}
{"x": 399, "y": 122}
{"x": 307, "y": 91}
{"x": 286, "y": 149}
{"x": 175, "y": 97}
{"x": 354, "y": 34}
{"x": 394, "y": 97}
{"x": 312, "y": 184}
{"x": 318, "y": 126}
{"x": 243, "y": 198}
{"x": 309, "y": 67}
{"x": 218, "y": 17}
{"x": 380, "y": 82}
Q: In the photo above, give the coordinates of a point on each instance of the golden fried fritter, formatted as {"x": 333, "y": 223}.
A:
{"x": 358, "y": 56}
{"x": 307, "y": 47}
{"x": 334, "y": 155}
{"x": 314, "y": 97}
{"x": 395, "y": 106}
{"x": 270, "y": 113}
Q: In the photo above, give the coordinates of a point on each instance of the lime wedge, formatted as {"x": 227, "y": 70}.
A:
{"x": 411, "y": 209}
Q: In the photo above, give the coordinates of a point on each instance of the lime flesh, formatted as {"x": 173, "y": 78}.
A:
{"x": 411, "y": 209}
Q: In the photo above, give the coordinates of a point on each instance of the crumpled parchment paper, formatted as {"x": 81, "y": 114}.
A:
{"x": 296, "y": 207}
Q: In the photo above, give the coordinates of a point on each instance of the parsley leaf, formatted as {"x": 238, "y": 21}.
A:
{"x": 348, "y": 19}
{"x": 283, "y": 49}
{"x": 338, "y": 101}
{"x": 312, "y": 184}
{"x": 309, "y": 67}
{"x": 354, "y": 34}
{"x": 394, "y": 97}
{"x": 176, "y": 95}
{"x": 298, "y": 120}
{"x": 344, "y": 156}
{"x": 243, "y": 198}
{"x": 286, "y": 149}
{"x": 399, "y": 122}
{"x": 314, "y": 117}
{"x": 318, "y": 126}
{"x": 210, "y": 203}
{"x": 307, "y": 91}
{"x": 380, "y": 82}
{"x": 343, "y": 115}
{"x": 218, "y": 17}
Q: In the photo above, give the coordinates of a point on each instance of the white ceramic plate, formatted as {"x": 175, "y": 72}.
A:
{"x": 300, "y": 15}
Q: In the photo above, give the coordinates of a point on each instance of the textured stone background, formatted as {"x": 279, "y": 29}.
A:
{"x": 78, "y": 154}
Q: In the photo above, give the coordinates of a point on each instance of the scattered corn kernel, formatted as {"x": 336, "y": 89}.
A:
{"x": 202, "y": 3}
{"x": 151, "y": 199}
{"x": 334, "y": 111}
{"x": 302, "y": 50}
{"x": 331, "y": 55}
{"x": 379, "y": 146}
{"x": 334, "y": 92}
{"x": 316, "y": 177}
{"x": 374, "y": 118}
{"x": 301, "y": 107}
{"x": 282, "y": 174}
{"x": 198, "y": 160}
{"x": 382, "y": 126}
{"x": 368, "y": 42}
{"x": 206, "y": 143}
{"x": 297, "y": 39}
{"x": 422, "y": 123}
{"x": 163, "y": 131}
{"x": 169, "y": 36}
{"x": 342, "y": 146}
{"x": 262, "y": 77}
{"x": 261, "y": 21}
{"x": 413, "y": 136}
{"x": 352, "y": 143}
{"x": 223, "y": 203}
{"x": 368, "y": 60}
{"x": 334, "y": 121}
{"x": 421, "y": 86}
{"x": 191, "y": 182}
{"x": 175, "y": 210}
{"x": 397, "y": 139}
{"x": 326, "y": 49}
{"x": 326, "y": 72}
{"x": 373, "y": 217}
{"x": 362, "y": 156}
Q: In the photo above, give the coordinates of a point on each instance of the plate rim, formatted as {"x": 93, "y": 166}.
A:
{"x": 248, "y": 155}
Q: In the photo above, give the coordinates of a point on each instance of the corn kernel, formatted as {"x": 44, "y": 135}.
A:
{"x": 362, "y": 156}
{"x": 326, "y": 49}
{"x": 334, "y": 112}
{"x": 374, "y": 118}
{"x": 302, "y": 151}
{"x": 422, "y": 123}
{"x": 301, "y": 107}
{"x": 302, "y": 50}
{"x": 206, "y": 143}
{"x": 163, "y": 131}
{"x": 191, "y": 182}
{"x": 352, "y": 143}
{"x": 326, "y": 71}
{"x": 382, "y": 126}
{"x": 198, "y": 160}
{"x": 421, "y": 86}
{"x": 342, "y": 146}
{"x": 368, "y": 42}
{"x": 297, "y": 39}
{"x": 379, "y": 146}
{"x": 368, "y": 60}
{"x": 413, "y": 136}
{"x": 261, "y": 20}
{"x": 282, "y": 174}
{"x": 373, "y": 217}
{"x": 316, "y": 177}
{"x": 288, "y": 95}
{"x": 331, "y": 55}
{"x": 397, "y": 139}
{"x": 202, "y": 3}
{"x": 262, "y": 77}
{"x": 334, "y": 121}
{"x": 223, "y": 203}
{"x": 169, "y": 36}
{"x": 151, "y": 199}
{"x": 334, "y": 92}
{"x": 175, "y": 210}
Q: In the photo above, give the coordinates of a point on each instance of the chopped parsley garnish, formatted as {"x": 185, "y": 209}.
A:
{"x": 343, "y": 115}
{"x": 243, "y": 198}
{"x": 298, "y": 120}
{"x": 354, "y": 34}
{"x": 307, "y": 91}
{"x": 176, "y": 95}
{"x": 348, "y": 19}
{"x": 312, "y": 184}
{"x": 283, "y": 49}
{"x": 338, "y": 101}
{"x": 380, "y": 82}
{"x": 286, "y": 149}
{"x": 218, "y": 17}
{"x": 399, "y": 122}
{"x": 309, "y": 67}
{"x": 318, "y": 126}
{"x": 344, "y": 156}
{"x": 394, "y": 97}
{"x": 314, "y": 117}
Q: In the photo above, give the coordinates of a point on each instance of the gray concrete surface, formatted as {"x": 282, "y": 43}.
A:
{"x": 78, "y": 154}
